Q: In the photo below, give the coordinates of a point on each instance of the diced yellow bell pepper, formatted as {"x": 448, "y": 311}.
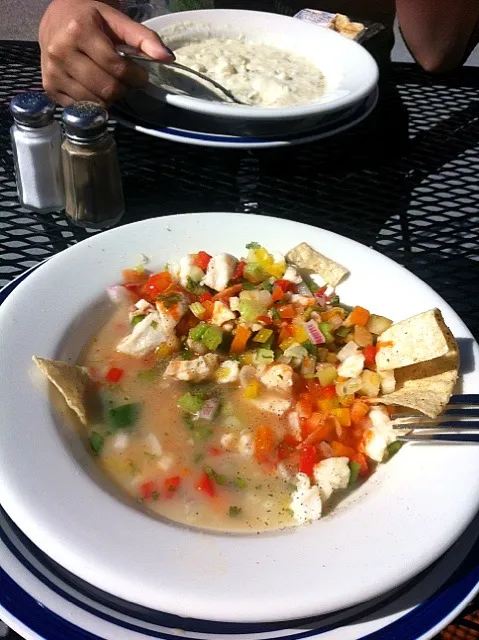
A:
{"x": 287, "y": 343}
{"x": 346, "y": 401}
{"x": 247, "y": 358}
{"x": 331, "y": 358}
{"x": 276, "y": 269}
{"x": 263, "y": 335}
{"x": 251, "y": 390}
{"x": 327, "y": 375}
{"x": 300, "y": 334}
{"x": 343, "y": 416}
{"x": 328, "y": 404}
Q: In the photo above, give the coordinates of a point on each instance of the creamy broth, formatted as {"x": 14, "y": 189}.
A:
{"x": 163, "y": 445}
{"x": 256, "y": 73}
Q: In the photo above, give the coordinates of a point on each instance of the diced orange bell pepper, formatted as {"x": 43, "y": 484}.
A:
{"x": 202, "y": 260}
{"x": 278, "y": 294}
{"x": 147, "y": 489}
{"x": 157, "y": 284}
{"x": 286, "y": 311}
{"x": 358, "y": 315}
{"x": 264, "y": 443}
{"x": 324, "y": 431}
{"x": 304, "y": 406}
{"x": 359, "y": 410}
{"x": 328, "y": 392}
{"x": 343, "y": 416}
{"x": 240, "y": 340}
{"x": 340, "y": 450}
{"x": 187, "y": 322}
{"x": 209, "y": 306}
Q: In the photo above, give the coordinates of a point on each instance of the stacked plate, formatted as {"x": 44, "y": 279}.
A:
{"x": 349, "y": 96}
{"x": 397, "y": 559}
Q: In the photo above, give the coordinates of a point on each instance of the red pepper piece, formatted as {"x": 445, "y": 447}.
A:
{"x": 114, "y": 375}
{"x": 202, "y": 260}
{"x": 205, "y": 485}
{"x": 369, "y": 354}
{"x": 238, "y": 273}
{"x": 171, "y": 485}
{"x": 285, "y": 286}
{"x": 147, "y": 489}
{"x": 307, "y": 459}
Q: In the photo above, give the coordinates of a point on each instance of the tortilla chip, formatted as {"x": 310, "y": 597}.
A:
{"x": 75, "y": 385}
{"x": 304, "y": 257}
{"x": 417, "y": 339}
{"x": 427, "y": 387}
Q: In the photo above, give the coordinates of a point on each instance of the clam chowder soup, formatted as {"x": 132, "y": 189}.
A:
{"x": 240, "y": 394}
{"x": 257, "y": 74}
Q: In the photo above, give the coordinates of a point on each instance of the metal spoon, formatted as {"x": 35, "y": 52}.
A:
{"x": 125, "y": 51}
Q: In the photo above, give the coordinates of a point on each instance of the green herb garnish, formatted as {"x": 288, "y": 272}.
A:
{"x": 96, "y": 442}
{"x": 191, "y": 402}
{"x": 148, "y": 375}
{"x": 253, "y": 245}
{"x": 240, "y": 483}
{"x": 310, "y": 348}
{"x": 217, "y": 477}
{"x": 124, "y": 416}
{"x": 354, "y": 468}
{"x": 169, "y": 299}
{"x": 234, "y": 512}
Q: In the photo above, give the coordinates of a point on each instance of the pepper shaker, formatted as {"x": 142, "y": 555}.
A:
{"x": 36, "y": 140}
{"x": 93, "y": 190}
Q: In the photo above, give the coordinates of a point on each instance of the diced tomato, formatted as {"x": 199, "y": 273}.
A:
{"x": 171, "y": 485}
{"x": 228, "y": 292}
{"x": 157, "y": 284}
{"x": 327, "y": 392}
{"x": 322, "y": 290}
{"x": 215, "y": 451}
{"x": 369, "y": 354}
{"x": 286, "y": 311}
{"x": 278, "y": 294}
{"x": 318, "y": 428}
{"x": 205, "y": 485}
{"x": 307, "y": 459}
{"x": 304, "y": 406}
{"x": 205, "y": 296}
{"x": 147, "y": 489}
{"x": 114, "y": 375}
{"x": 238, "y": 273}
{"x": 264, "y": 320}
{"x": 287, "y": 446}
{"x": 286, "y": 286}
{"x": 264, "y": 443}
{"x": 202, "y": 260}
{"x": 359, "y": 411}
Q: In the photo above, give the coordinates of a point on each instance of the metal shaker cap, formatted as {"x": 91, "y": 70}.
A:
{"x": 85, "y": 121}
{"x": 32, "y": 109}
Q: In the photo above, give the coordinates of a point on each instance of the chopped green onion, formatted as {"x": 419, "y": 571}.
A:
{"x": 267, "y": 286}
{"x": 191, "y": 402}
{"x": 263, "y": 335}
{"x": 212, "y": 337}
{"x": 193, "y": 287}
{"x": 136, "y": 319}
{"x": 311, "y": 348}
{"x": 264, "y": 356}
{"x": 234, "y": 512}
{"x": 253, "y": 272}
{"x": 96, "y": 442}
{"x": 354, "y": 468}
{"x": 326, "y": 328}
{"x": 124, "y": 416}
{"x": 253, "y": 245}
{"x": 240, "y": 483}
{"x": 217, "y": 477}
{"x": 394, "y": 447}
{"x": 197, "y": 309}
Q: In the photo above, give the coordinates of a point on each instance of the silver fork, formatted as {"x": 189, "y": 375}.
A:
{"x": 458, "y": 423}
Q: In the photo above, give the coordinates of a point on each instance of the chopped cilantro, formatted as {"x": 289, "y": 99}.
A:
{"x": 96, "y": 442}
{"x": 275, "y": 314}
{"x": 253, "y": 245}
{"x": 155, "y": 495}
{"x": 234, "y": 512}
{"x": 248, "y": 286}
{"x": 310, "y": 348}
{"x": 268, "y": 286}
{"x": 124, "y": 416}
{"x": 217, "y": 477}
{"x": 185, "y": 355}
{"x": 240, "y": 483}
{"x": 169, "y": 299}
{"x": 194, "y": 287}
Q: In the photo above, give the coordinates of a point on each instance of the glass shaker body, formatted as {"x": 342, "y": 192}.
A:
{"x": 93, "y": 189}
{"x": 36, "y": 141}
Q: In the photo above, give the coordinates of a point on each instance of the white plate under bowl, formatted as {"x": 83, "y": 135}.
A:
{"x": 394, "y": 526}
{"x": 350, "y": 71}
{"x": 189, "y": 129}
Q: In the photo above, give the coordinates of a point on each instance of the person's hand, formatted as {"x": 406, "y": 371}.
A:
{"x": 79, "y": 61}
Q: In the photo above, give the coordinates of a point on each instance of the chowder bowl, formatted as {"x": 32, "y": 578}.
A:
{"x": 350, "y": 72}
{"x": 396, "y": 524}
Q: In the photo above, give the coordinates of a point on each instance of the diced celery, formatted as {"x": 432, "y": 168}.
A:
{"x": 326, "y": 330}
{"x": 342, "y": 332}
{"x": 250, "y": 310}
{"x": 264, "y": 356}
{"x": 196, "y": 274}
{"x": 197, "y": 309}
{"x": 327, "y": 375}
{"x": 254, "y": 273}
{"x": 212, "y": 337}
{"x": 191, "y": 402}
{"x": 196, "y": 333}
{"x": 136, "y": 319}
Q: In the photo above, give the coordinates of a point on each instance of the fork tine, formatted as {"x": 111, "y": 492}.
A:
{"x": 465, "y": 438}
{"x": 465, "y": 398}
{"x": 469, "y": 422}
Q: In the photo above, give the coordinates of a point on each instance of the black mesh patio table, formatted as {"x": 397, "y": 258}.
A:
{"x": 405, "y": 182}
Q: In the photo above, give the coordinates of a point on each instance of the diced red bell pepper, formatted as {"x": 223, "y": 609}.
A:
{"x": 286, "y": 286}
{"x": 171, "y": 485}
{"x": 304, "y": 406}
{"x": 238, "y": 273}
{"x": 114, "y": 375}
{"x": 202, "y": 260}
{"x": 327, "y": 392}
{"x": 147, "y": 489}
{"x": 215, "y": 451}
{"x": 307, "y": 459}
{"x": 264, "y": 320}
{"x": 286, "y": 311}
{"x": 369, "y": 354}
{"x": 278, "y": 294}
{"x": 205, "y": 485}
{"x": 205, "y": 296}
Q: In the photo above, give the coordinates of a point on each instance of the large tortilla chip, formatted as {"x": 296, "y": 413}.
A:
{"x": 304, "y": 257}
{"x": 75, "y": 385}
{"x": 418, "y": 339}
{"x": 427, "y": 386}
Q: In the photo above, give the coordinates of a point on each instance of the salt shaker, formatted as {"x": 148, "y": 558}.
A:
{"x": 36, "y": 140}
{"x": 93, "y": 191}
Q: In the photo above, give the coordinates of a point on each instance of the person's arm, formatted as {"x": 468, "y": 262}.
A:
{"x": 440, "y": 34}
{"x": 79, "y": 62}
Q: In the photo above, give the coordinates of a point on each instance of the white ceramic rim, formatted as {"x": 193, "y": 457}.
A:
{"x": 192, "y": 573}
{"x": 358, "y": 53}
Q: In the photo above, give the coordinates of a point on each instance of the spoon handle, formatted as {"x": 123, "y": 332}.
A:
{"x": 125, "y": 51}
